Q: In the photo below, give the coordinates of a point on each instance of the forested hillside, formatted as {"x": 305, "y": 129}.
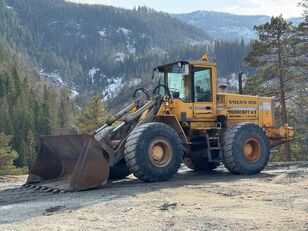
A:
{"x": 101, "y": 48}
{"x": 92, "y": 47}
{"x": 29, "y": 106}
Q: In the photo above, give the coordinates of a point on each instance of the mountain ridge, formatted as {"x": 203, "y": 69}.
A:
{"x": 221, "y": 25}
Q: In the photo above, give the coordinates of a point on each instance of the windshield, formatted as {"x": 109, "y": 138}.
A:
{"x": 178, "y": 83}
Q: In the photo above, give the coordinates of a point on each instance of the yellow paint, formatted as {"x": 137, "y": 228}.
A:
{"x": 236, "y": 108}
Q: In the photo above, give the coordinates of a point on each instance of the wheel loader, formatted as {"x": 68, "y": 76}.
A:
{"x": 185, "y": 119}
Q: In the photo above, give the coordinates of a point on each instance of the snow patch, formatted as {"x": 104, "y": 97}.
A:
{"x": 102, "y": 33}
{"x": 197, "y": 42}
{"x": 73, "y": 94}
{"x": 53, "y": 22}
{"x": 157, "y": 50}
{"x": 92, "y": 72}
{"x": 54, "y": 77}
{"x": 119, "y": 57}
{"x": 242, "y": 31}
{"x": 114, "y": 88}
{"x": 123, "y": 30}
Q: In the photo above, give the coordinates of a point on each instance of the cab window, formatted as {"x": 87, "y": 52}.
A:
{"x": 202, "y": 84}
{"x": 178, "y": 83}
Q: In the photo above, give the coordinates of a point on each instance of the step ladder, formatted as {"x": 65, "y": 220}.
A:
{"x": 213, "y": 147}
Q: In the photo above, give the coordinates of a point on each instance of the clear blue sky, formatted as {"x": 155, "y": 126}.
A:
{"x": 288, "y": 8}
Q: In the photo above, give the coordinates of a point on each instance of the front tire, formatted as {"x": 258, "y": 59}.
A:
{"x": 246, "y": 149}
{"x": 153, "y": 152}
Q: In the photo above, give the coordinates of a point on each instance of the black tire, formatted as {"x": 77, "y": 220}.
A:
{"x": 236, "y": 160}
{"x": 119, "y": 171}
{"x": 200, "y": 164}
{"x": 140, "y": 159}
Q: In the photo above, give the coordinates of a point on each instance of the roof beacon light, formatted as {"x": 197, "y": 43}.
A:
{"x": 204, "y": 57}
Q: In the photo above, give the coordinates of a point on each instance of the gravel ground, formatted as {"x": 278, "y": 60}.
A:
{"x": 276, "y": 199}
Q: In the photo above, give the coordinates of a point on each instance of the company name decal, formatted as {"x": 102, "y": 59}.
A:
{"x": 239, "y": 112}
{"x": 244, "y": 102}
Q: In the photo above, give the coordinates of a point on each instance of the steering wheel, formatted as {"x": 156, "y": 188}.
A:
{"x": 167, "y": 91}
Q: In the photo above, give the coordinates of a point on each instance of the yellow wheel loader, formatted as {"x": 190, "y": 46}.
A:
{"x": 186, "y": 118}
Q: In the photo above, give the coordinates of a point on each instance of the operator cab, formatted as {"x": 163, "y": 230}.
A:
{"x": 187, "y": 81}
{"x": 191, "y": 85}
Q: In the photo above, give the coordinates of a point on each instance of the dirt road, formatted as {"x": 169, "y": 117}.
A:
{"x": 276, "y": 199}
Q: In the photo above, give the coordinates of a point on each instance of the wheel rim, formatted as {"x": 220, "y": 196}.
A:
{"x": 160, "y": 152}
{"x": 252, "y": 150}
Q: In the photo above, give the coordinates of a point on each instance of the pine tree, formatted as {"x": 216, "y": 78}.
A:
{"x": 64, "y": 110}
{"x": 93, "y": 116}
{"x": 29, "y": 149}
{"x": 276, "y": 61}
{"x": 45, "y": 125}
{"x": 7, "y": 155}
{"x": 304, "y": 4}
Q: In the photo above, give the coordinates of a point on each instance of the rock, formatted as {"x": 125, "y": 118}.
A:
{"x": 166, "y": 206}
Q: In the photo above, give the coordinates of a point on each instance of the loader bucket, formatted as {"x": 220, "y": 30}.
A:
{"x": 69, "y": 163}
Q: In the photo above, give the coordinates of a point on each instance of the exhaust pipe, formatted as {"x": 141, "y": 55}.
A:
{"x": 240, "y": 82}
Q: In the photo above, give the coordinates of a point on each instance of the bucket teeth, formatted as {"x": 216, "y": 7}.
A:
{"x": 44, "y": 188}
{"x": 37, "y": 188}
{"x": 49, "y": 190}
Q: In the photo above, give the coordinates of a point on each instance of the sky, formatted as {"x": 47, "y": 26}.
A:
{"x": 288, "y": 8}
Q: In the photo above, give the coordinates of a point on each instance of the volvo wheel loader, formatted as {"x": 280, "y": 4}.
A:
{"x": 186, "y": 118}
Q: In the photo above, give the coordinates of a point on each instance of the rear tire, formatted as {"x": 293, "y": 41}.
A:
{"x": 246, "y": 149}
{"x": 153, "y": 152}
{"x": 200, "y": 164}
{"x": 119, "y": 171}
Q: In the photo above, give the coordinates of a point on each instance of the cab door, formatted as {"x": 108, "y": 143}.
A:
{"x": 204, "y": 93}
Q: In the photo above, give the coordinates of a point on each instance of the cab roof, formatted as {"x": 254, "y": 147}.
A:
{"x": 194, "y": 63}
